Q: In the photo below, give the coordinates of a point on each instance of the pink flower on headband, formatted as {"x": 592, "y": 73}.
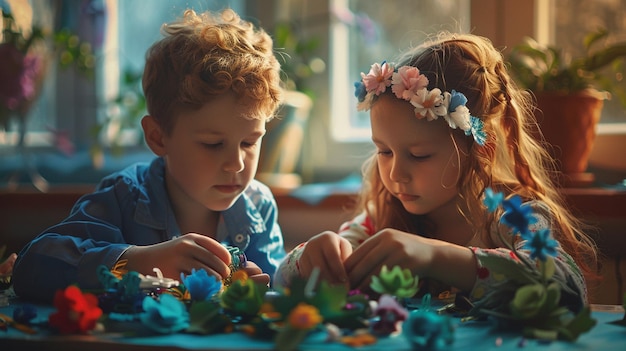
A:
{"x": 378, "y": 78}
{"x": 407, "y": 81}
{"x": 429, "y": 104}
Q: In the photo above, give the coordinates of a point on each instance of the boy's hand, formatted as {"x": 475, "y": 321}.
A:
{"x": 327, "y": 251}
{"x": 180, "y": 255}
{"x": 255, "y": 273}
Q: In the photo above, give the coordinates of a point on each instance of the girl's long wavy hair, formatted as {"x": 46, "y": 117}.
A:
{"x": 512, "y": 161}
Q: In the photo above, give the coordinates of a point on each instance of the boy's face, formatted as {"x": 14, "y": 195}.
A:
{"x": 212, "y": 154}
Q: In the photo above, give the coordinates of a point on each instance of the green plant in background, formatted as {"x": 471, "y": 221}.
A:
{"x": 122, "y": 112}
{"x": 24, "y": 56}
{"x": 297, "y": 57}
{"x": 542, "y": 68}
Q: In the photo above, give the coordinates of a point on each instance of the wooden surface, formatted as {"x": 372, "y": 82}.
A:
{"x": 27, "y": 212}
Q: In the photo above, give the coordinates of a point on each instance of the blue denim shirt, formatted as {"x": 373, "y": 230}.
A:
{"x": 132, "y": 207}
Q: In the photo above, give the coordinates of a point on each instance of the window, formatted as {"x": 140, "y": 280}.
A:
{"x": 365, "y": 32}
{"x": 61, "y": 124}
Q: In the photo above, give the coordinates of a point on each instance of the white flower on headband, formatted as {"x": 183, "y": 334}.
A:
{"x": 407, "y": 83}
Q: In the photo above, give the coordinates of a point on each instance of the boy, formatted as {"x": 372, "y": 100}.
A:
{"x": 211, "y": 84}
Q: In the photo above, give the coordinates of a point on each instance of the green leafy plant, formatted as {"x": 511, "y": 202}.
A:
{"x": 542, "y": 68}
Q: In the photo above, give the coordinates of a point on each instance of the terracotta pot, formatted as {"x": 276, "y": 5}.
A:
{"x": 568, "y": 123}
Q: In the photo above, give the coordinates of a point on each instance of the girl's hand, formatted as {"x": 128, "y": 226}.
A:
{"x": 255, "y": 273}
{"x": 180, "y": 255}
{"x": 448, "y": 263}
{"x": 326, "y": 251}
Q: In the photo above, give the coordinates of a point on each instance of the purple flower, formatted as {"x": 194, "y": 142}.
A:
{"x": 390, "y": 315}
{"x": 541, "y": 245}
{"x": 201, "y": 285}
{"x": 167, "y": 315}
{"x": 19, "y": 74}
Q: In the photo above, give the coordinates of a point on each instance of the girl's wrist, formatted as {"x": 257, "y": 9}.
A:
{"x": 454, "y": 265}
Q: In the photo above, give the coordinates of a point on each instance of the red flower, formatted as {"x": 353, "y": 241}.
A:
{"x": 483, "y": 273}
{"x": 76, "y": 312}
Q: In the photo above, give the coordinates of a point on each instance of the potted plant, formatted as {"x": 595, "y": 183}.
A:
{"x": 570, "y": 95}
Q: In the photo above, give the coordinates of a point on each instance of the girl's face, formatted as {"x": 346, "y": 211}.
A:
{"x": 417, "y": 159}
{"x": 212, "y": 154}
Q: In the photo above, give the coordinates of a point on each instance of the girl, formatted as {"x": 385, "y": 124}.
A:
{"x": 448, "y": 123}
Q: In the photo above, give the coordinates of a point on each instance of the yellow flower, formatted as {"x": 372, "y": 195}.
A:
{"x": 359, "y": 340}
{"x": 304, "y": 317}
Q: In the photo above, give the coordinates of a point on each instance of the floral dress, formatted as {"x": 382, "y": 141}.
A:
{"x": 488, "y": 281}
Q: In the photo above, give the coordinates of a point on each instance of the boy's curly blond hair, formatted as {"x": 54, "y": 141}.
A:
{"x": 203, "y": 56}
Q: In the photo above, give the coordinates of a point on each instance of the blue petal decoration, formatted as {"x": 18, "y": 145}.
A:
{"x": 541, "y": 245}
{"x": 201, "y": 285}
{"x": 492, "y": 200}
{"x": 166, "y": 316}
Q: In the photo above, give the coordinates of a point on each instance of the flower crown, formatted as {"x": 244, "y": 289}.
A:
{"x": 408, "y": 84}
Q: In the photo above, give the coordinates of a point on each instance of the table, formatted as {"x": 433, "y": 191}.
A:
{"x": 468, "y": 336}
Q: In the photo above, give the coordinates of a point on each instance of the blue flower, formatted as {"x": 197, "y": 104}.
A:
{"x": 359, "y": 91}
{"x": 168, "y": 315}
{"x": 541, "y": 245}
{"x": 492, "y": 200}
{"x": 477, "y": 130}
{"x": 201, "y": 285}
{"x": 24, "y": 314}
{"x": 456, "y": 99}
{"x": 517, "y": 215}
{"x": 427, "y": 330}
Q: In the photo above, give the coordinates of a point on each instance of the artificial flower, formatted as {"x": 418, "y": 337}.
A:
{"x": 477, "y": 131}
{"x": 243, "y": 296}
{"x": 360, "y": 91}
{"x": 458, "y": 115}
{"x": 76, "y": 312}
{"x": 428, "y": 331}
{"x": 25, "y": 313}
{"x": 378, "y": 78}
{"x": 541, "y": 245}
{"x": 536, "y": 289}
{"x": 164, "y": 315}
{"x": 201, "y": 285}
{"x": 407, "y": 81}
{"x": 301, "y": 320}
{"x": 304, "y": 317}
{"x": 397, "y": 282}
{"x": 533, "y": 299}
{"x": 408, "y": 84}
{"x": 517, "y": 215}
{"x": 206, "y": 317}
{"x": 358, "y": 340}
{"x": 492, "y": 199}
{"x": 390, "y": 316}
{"x": 428, "y": 104}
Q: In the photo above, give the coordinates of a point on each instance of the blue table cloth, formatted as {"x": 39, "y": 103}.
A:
{"x": 473, "y": 335}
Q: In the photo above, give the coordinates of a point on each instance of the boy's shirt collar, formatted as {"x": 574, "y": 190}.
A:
{"x": 154, "y": 210}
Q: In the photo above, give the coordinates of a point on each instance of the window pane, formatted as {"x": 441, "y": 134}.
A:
{"x": 376, "y": 32}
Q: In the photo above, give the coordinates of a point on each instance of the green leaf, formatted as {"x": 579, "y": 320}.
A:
{"x": 206, "y": 318}
{"x": 547, "y": 268}
{"x": 580, "y": 324}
